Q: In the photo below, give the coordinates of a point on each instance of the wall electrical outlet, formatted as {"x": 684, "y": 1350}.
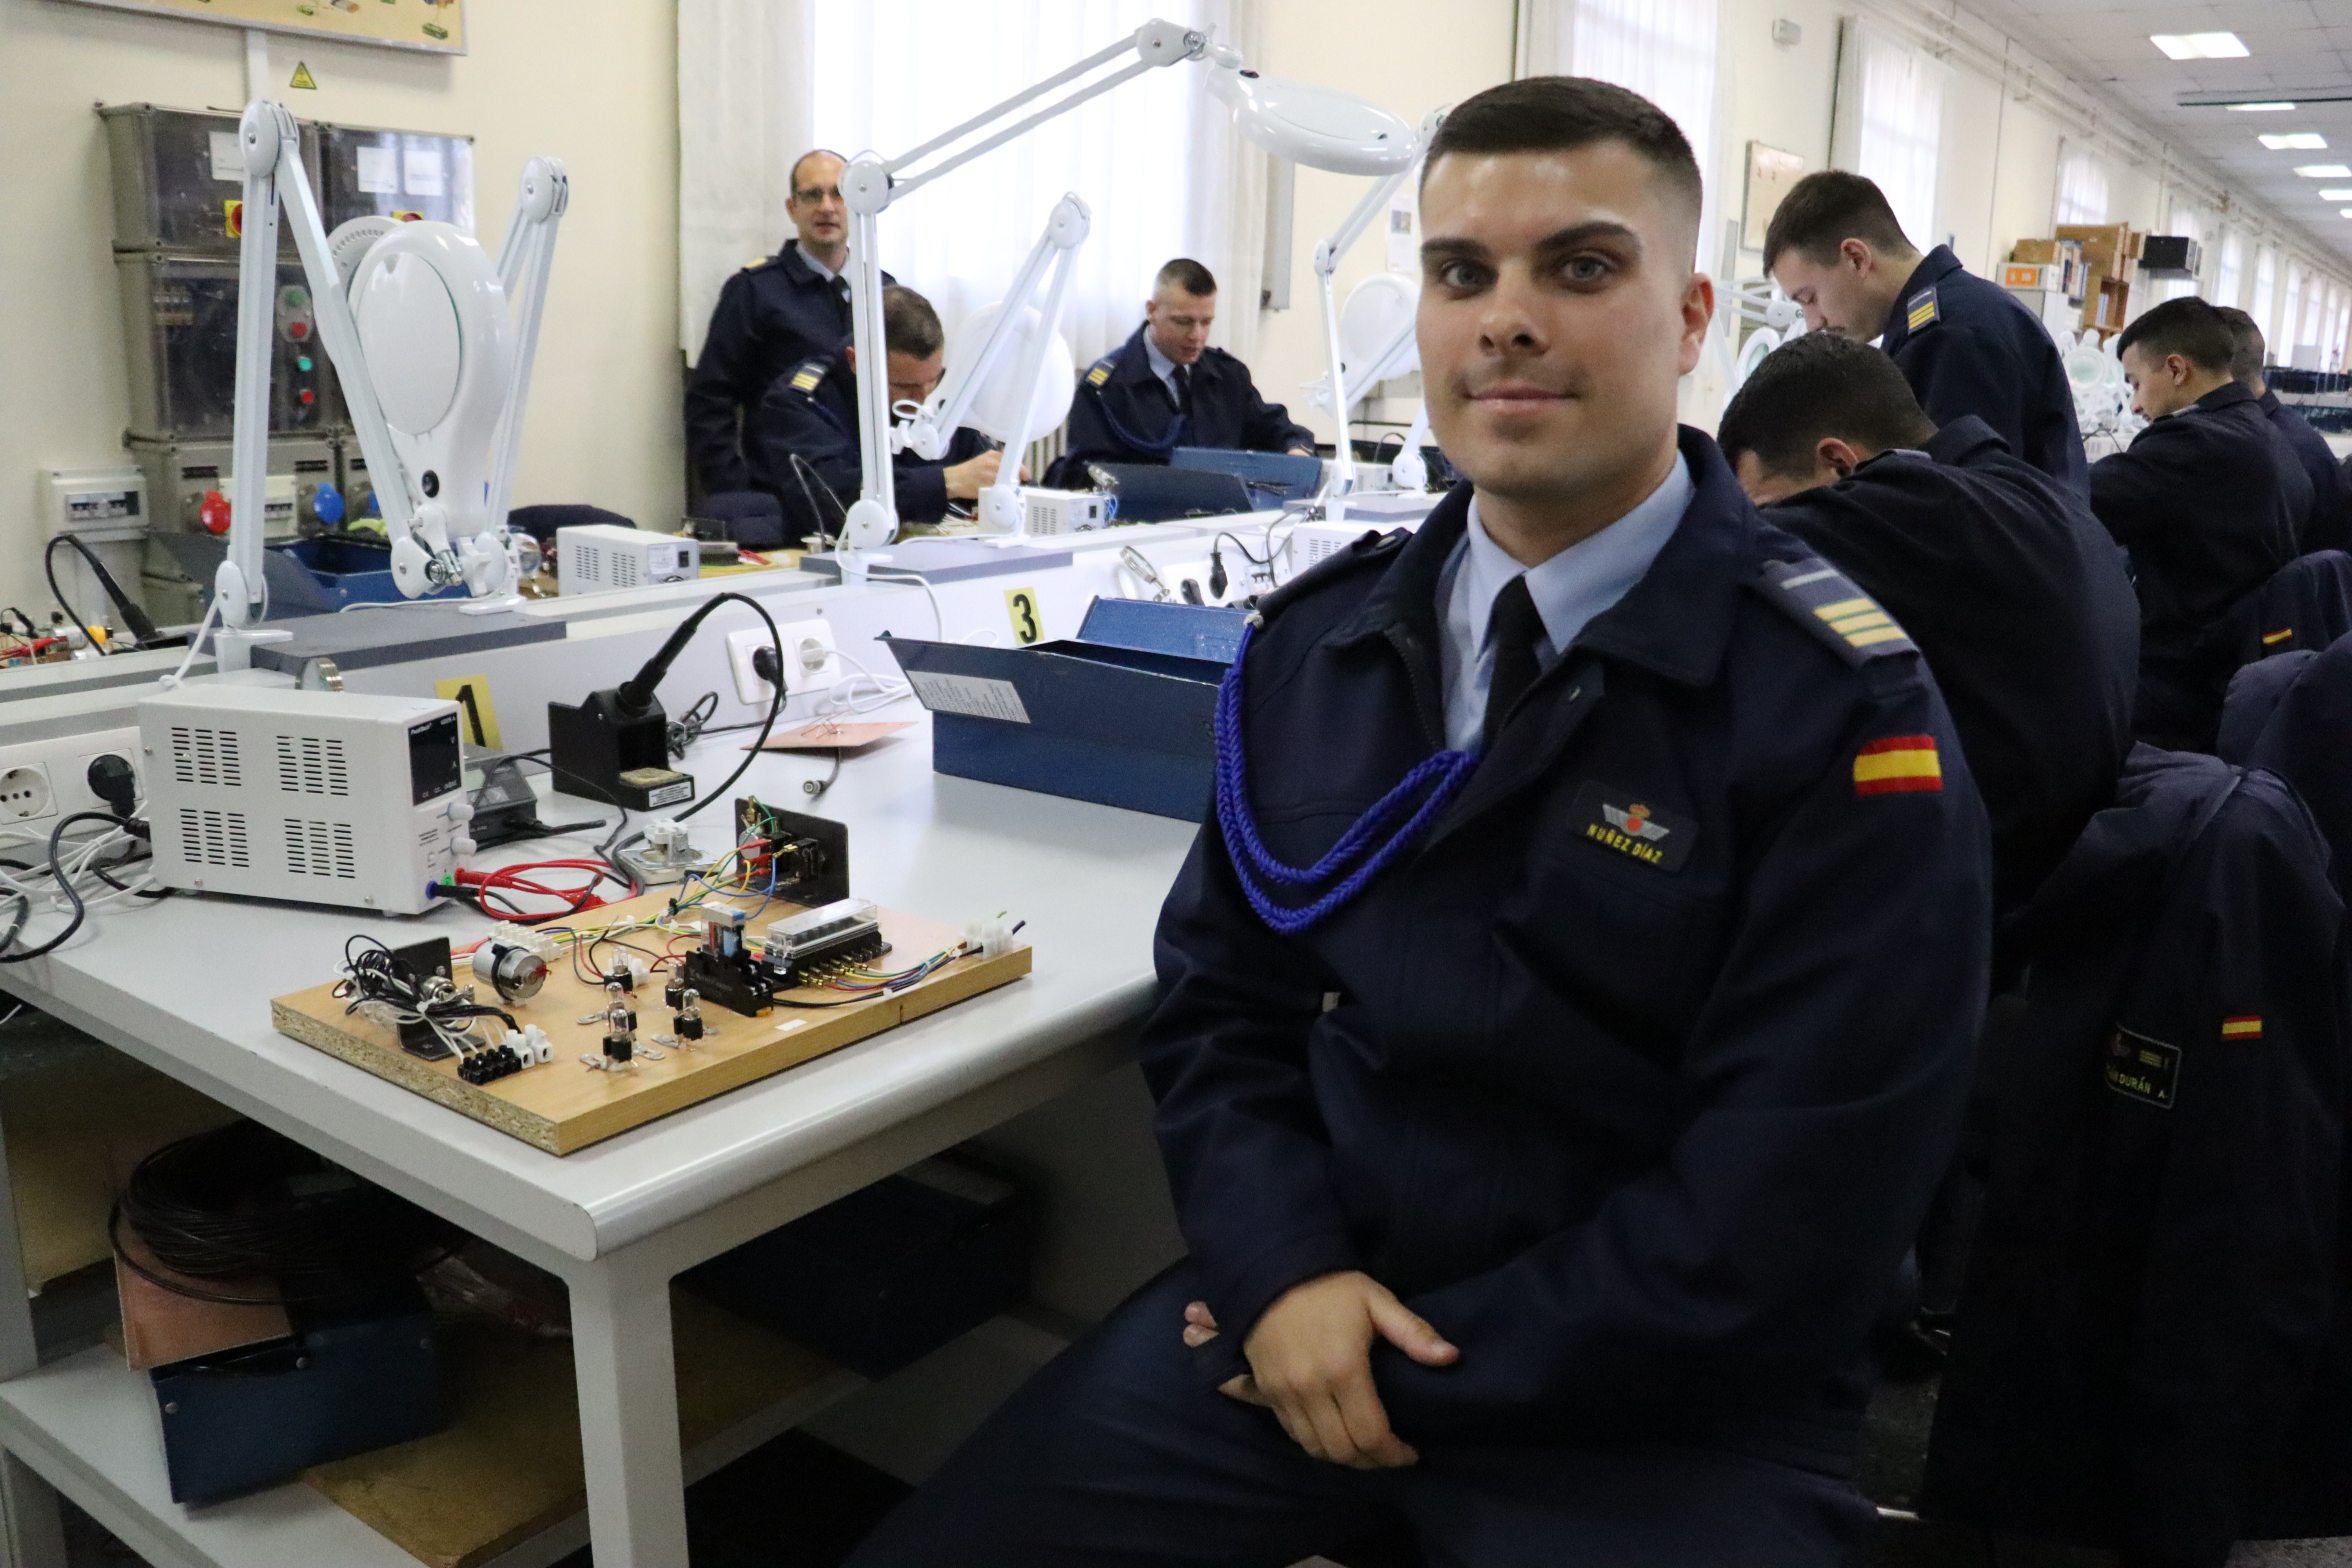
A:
{"x": 43, "y": 779}
{"x": 810, "y": 660}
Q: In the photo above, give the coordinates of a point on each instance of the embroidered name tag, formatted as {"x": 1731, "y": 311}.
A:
{"x": 2142, "y": 1068}
{"x": 1622, "y": 821}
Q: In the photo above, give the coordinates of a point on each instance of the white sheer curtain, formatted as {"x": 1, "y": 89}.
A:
{"x": 1898, "y": 135}
{"x": 2228, "y": 276}
{"x": 2290, "y": 319}
{"x": 2265, "y": 294}
{"x": 1663, "y": 49}
{"x": 1155, "y": 159}
{"x": 2081, "y": 189}
{"x": 1149, "y": 158}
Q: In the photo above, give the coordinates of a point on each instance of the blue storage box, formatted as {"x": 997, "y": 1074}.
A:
{"x": 1121, "y": 714}
{"x": 352, "y": 573}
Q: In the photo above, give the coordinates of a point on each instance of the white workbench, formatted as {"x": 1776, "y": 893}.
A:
{"x": 184, "y": 986}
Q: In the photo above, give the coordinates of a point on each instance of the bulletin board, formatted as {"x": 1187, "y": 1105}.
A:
{"x": 438, "y": 25}
{"x": 1770, "y": 173}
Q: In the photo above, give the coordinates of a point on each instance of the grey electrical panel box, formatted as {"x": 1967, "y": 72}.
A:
{"x": 179, "y": 179}
{"x": 187, "y": 492}
{"x": 179, "y": 323}
{"x": 396, "y": 174}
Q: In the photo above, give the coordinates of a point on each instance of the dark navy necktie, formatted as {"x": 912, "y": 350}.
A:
{"x": 1512, "y": 629}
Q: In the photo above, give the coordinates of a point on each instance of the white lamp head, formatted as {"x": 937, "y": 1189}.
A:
{"x": 1376, "y": 330}
{"x": 996, "y": 404}
{"x": 1315, "y": 126}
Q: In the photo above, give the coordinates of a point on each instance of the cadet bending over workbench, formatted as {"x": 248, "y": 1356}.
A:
{"x": 1547, "y": 1157}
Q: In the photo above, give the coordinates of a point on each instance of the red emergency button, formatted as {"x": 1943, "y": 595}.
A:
{"x": 308, "y": 395}
{"x": 213, "y": 512}
{"x": 298, "y": 331}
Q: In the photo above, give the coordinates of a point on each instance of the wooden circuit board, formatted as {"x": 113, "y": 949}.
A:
{"x": 562, "y": 1105}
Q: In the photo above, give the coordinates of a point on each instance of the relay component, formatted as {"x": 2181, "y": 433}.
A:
{"x": 842, "y": 932}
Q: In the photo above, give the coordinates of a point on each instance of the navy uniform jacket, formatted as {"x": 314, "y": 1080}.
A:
{"x": 1623, "y": 1103}
{"x": 2154, "y": 1346}
{"x": 770, "y": 316}
{"x": 1124, "y": 414}
{"x": 1967, "y": 346}
{"x": 2327, "y": 525}
{"x": 812, "y": 413}
{"x": 2199, "y": 499}
{"x": 2019, "y": 601}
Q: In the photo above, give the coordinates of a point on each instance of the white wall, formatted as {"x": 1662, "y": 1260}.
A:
{"x": 592, "y": 81}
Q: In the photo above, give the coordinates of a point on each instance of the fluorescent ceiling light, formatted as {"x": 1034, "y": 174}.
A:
{"x": 2336, "y": 196}
{"x": 2200, "y": 46}
{"x": 2295, "y": 141}
{"x": 2345, "y": 211}
{"x": 2259, "y": 107}
{"x": 2324, "y": 170}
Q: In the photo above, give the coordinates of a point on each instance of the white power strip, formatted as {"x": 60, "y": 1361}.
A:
{"x": 41, "y": 781}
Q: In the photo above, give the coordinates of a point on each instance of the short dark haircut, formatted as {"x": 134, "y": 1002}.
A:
{"x": 793, "y": 180}
{"x": 1824, "y": 210}
{"x": 1562, "y": 114}
{"x": 1187, "y": 275}
{"x": 2248, "y": 351}
{"x": 1821, "y": 385}
{"x": 909, "y": 325}
{"x": 2188, "y": 327}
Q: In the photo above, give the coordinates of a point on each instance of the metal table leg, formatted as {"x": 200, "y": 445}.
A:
{"x": 628, "y": 1414}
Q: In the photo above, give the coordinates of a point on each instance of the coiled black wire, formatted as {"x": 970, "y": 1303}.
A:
{"x": 241, "y": 1203}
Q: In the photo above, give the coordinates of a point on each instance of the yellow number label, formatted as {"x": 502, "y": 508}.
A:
{"x": 1021, "y": 604}
{"x": 477, "y": 721}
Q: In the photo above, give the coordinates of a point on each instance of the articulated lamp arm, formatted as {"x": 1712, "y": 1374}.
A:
{"x": 525, "y": 259}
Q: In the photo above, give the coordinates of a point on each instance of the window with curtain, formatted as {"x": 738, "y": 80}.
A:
{"x": 1896, "y": 140}
{"x": 2290, "y": 317}
{"x": 2081, "y": 189}
{"x": 1663, "y": 49}
{"x": 2230, "y": 269}
{"x": 2265, "y": 294}
{"x": 1147, "y": 157}
{"x": 2337, "y": 333}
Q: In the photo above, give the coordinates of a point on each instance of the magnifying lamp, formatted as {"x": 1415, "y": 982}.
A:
{"x": 1315, "y": 126}
{"x": 434, "y": 367}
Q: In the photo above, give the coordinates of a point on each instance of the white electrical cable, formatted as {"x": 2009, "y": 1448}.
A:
{"x": 893, "y": 575}
{"x": 212, "y": 613}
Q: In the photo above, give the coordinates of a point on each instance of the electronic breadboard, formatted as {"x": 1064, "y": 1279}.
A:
{"x": 565, "y": 1103}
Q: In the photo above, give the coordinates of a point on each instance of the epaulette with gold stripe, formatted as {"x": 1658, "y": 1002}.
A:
{"x": 1824, "y": 601}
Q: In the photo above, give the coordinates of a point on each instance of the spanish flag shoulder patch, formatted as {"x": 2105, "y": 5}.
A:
{"x": 1825, "y": 601}
{"x": 2272, "y": 640}
{"x": 1921, "y": 311}
{"x": 2245, "y": 1027}
{"x": 1898, "y": 765}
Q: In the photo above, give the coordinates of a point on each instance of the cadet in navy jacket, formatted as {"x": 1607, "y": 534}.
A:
{"x": 2015, "y": 595}
{"x": 1617, "y": 1024}
{"x": 1966, "y": 345}
{"x": 1165, "y": 388}
{"x": 812, "y": 414}
{"x": 2326, "y": 522}
{"x": 2199, "y": 499}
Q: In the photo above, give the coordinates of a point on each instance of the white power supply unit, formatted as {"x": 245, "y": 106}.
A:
{"x": 325, "y": 797}
{"x": 1047, "y": 512}
{"x": 600, "y": 557}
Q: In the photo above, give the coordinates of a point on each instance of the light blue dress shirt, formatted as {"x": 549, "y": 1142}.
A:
{"x": 1569, "y": 591}
{"x": 1163, "y": 367}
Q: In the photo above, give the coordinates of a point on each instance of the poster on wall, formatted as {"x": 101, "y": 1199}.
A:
{"x": 1770, "y": 173}
{"x": 438, "y": 25}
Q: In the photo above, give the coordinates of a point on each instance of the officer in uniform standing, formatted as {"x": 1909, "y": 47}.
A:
{"x": 2016, "y": 596}
{"x": 770, "y": 316}
{"x": 1965, "y": 345}
{"x": 1566, "y": 1005}
{"x": 802, "y": 444}
{"x": 2326, "y": 523}
{"x": 1165, "y": 387}
{"x": 2201, "y": 500}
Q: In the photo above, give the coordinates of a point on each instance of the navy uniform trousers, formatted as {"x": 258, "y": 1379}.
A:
{"x": 1120, "y": 1455}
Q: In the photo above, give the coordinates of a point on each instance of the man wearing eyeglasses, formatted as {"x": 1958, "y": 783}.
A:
{"x": 772, "y": 316}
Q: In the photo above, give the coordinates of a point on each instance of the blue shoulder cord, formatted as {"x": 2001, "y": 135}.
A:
{"x": 1436, "y": 779}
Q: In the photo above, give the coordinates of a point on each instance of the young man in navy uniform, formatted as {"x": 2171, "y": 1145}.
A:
{"x": 1165, "y": 387}
{"x": 2017, "y": 597}
{"x": 801, "y": 444}
{"x": 2326, "y": 523}
{"x": 1568, "y": 1004}
{"x": 1965, "y": 345}
{"x": 2206, "y": 498}
{"x": 770, "y": 316}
